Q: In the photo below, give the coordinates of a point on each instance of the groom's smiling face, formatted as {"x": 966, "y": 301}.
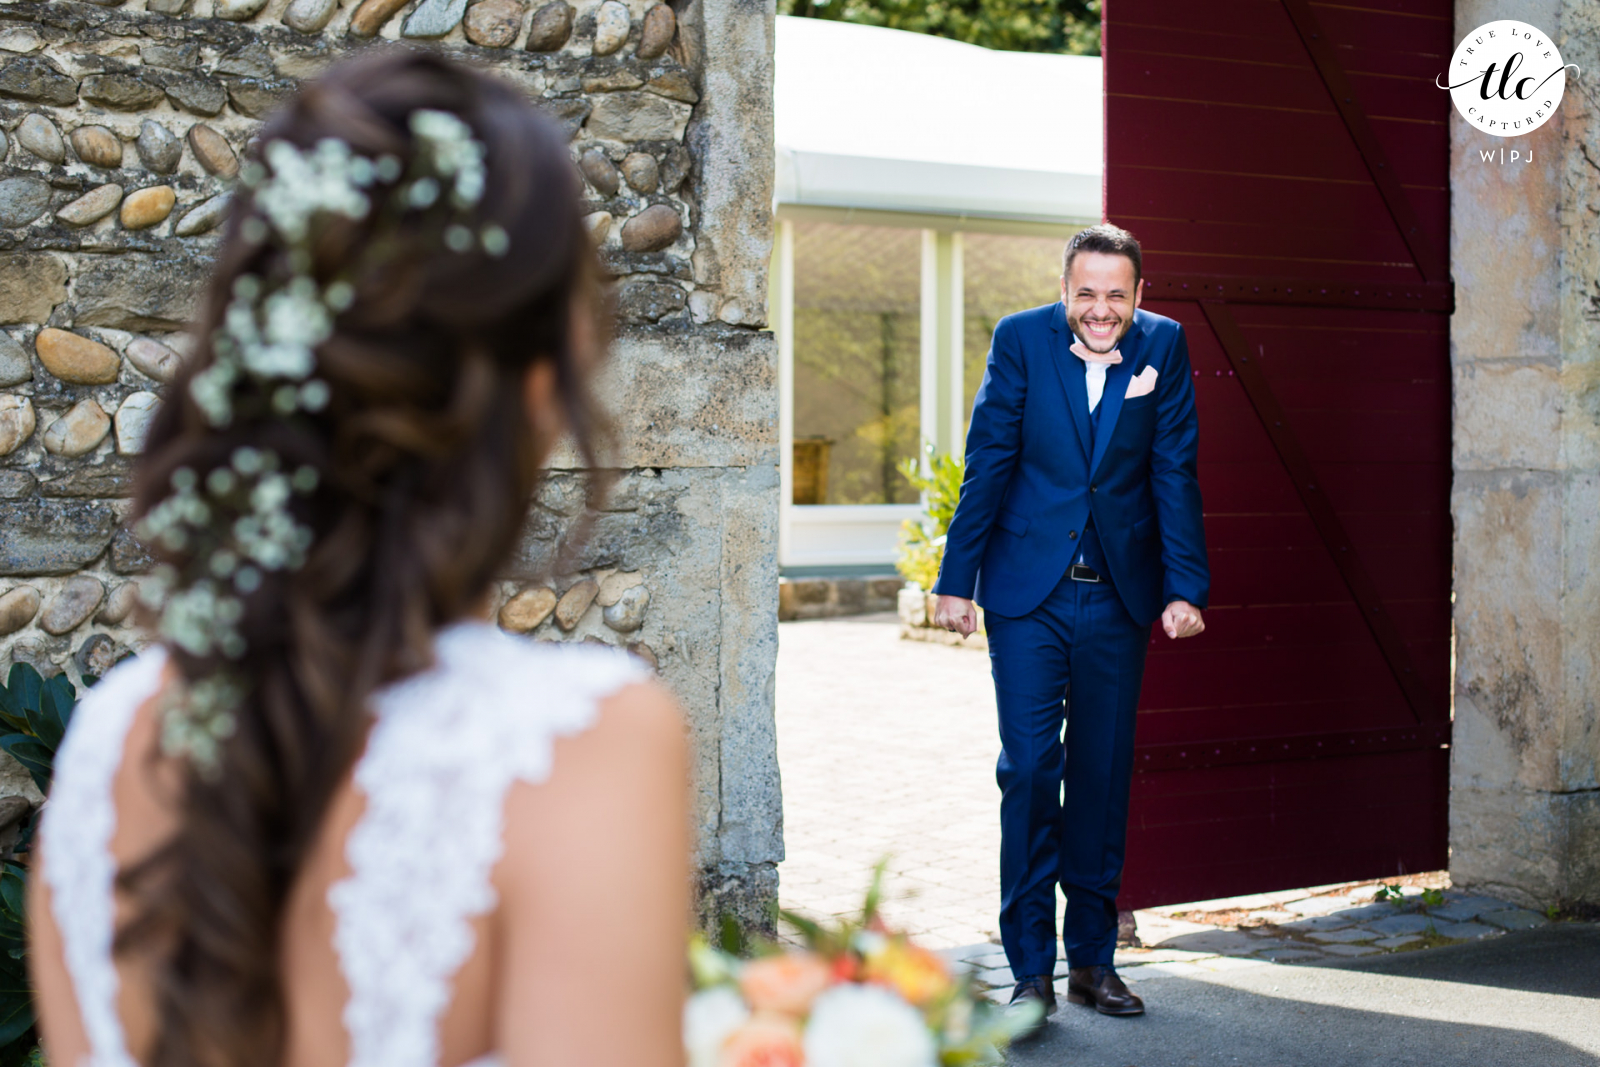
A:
{"x": 1100, "y": 293}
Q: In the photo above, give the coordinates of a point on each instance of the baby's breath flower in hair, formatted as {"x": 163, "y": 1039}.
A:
{"x": 235, "y": 525}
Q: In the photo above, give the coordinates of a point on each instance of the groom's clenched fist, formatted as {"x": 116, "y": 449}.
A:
{"x": 956, "y": 613}
{"x": 1182, "y": 619}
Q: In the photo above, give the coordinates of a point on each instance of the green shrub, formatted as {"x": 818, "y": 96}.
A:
{"x": 922, "y": 539}
{"x": 36, "y": 711}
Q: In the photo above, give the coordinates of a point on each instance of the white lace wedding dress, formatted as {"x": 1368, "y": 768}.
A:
{"x": 446, "y": 746}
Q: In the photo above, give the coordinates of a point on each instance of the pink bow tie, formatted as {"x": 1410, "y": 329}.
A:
{"x": 1110, "y": 359}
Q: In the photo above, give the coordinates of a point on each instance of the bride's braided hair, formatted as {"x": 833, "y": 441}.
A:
{"x": 417, "y": 462}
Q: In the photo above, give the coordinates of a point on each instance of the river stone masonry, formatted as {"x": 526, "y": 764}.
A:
{"x": 122, "y": 126}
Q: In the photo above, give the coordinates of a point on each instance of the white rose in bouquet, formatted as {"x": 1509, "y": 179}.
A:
{"x": 867, "y": 1026}
{"x": 708, "y": 1019}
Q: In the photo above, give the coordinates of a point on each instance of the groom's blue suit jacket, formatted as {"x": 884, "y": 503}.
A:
{"x": 1038, "y": 467}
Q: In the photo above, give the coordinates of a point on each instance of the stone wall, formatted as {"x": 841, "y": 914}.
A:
{"x": 123, "y": 123}
{"x": 1525, "y": 346}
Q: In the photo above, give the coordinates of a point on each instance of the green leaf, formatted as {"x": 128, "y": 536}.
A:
{"x": 11, "y": 711}
{"x": 25, "y": 683}
{"x": 810, "y": 930}
{"x": 732, "y": 939}
{"x": 56, "y": 699}
{"x": 38, "y": 759}
{"x": 14, "y": 893}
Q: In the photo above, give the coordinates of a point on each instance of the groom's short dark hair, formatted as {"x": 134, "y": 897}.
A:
{"x": 1112, "y": 240}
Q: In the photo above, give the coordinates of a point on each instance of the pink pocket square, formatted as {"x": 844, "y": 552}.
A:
{"x": 1141, "y": 383}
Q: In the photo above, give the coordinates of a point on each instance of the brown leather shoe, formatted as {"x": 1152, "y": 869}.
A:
{"x": 1035, "y": 996}
{"x": 1101, "y": 989}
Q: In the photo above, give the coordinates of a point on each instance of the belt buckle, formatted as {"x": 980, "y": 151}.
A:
{"x": 1078, "y": 572}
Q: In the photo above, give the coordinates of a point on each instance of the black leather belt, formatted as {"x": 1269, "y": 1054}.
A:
{"x": 1080, "y": 573}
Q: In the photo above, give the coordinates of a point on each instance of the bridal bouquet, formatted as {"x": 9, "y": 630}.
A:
{"x": 856, "y": 995}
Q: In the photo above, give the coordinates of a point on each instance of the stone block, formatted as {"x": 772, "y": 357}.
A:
{"x": 40, "y": 537}
{"x": 39, "y": 135}
{"x": 204, "y": 216}
{"x": 1508, "y": 595}
{"x": 76, "y": 359}
{"x": 92, "y": 206}
{"x": 109, "y": 479}
{"x": 551, "y": 27}
{"x": 79, "y": 431}
{"x": 1514, "y": 919}
{"x": 733, "y": 143}
{"x": 16, "y": 485}
{"x": 1398, "y": 942}
{"x": 494, "y": 23}
{"x": 370, "y": 16}
{"x": 434, "y": 18}
{"x": 133, "y": 421}
{"x": 1463, "y": 908}
{"x": 1348, "y": 935}
{"x": 574, "y": 602}
{"x": 128, "y": 556}
{"x": 139, "y": 292}
{"x": 97, "y": 655}
{"x": 199, "y": 95}
{"x": 611, "y": 25}
{"x": 258, "y": 98}
{"x": 309, "y": 16}
{"x": 647, "y": 302}
{"x": 599, "y": 172}
{"x": 627, "y": 614}
{"x": 153, "y": 359}
{"x": 17, "y": 422}
{"x": 525, "y": 611}
{"x": 1350, "y": 950}
{"x": 159, "y": 149}
{"x": 17, "y": 609}
{"x": 120, "y": 91}
{"x": 119, "y": 605}
{"x": 614, "y": 585}
{"x": 642, "y": 172}
{"x": 656, "y": 32}
{"x": 1507, "y": 415}
{"x": 72, "y": 606}
{"x": 16, "y": 366}
{"x": 37, "y": 80}
{"x": 637, "y": 116}
{"x": 22, "y": 200}
{"x": 653, "y": 229}
{"x": 147, "y": 207}
{"x": 1465, "y": 931}
{"x": 1401, "y": 924}
{"x": 96, "y": 146}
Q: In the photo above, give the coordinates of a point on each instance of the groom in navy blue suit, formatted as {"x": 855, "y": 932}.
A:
{"x": 1078, "y": 526}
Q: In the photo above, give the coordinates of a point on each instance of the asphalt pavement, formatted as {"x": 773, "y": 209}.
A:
{"x": 1524, "y": 999}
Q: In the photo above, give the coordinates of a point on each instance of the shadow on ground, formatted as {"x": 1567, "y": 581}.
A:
{"x": 1520, "y": 1000}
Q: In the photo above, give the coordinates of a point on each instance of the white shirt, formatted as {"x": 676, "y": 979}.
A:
{"x": 1095, "y": 379}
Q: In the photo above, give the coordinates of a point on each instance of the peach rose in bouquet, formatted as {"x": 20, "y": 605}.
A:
{"x": 785, "y": 983}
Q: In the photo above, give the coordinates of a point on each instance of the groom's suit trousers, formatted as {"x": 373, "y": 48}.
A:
{"x": 1077, "y": 658}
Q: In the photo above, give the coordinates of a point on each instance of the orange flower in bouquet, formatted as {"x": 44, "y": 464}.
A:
{"x": 764, "y": 1040}
{"x": 856, "y": 995}
{"x": 910, "y": 970}
{"x": 786, "y": 983}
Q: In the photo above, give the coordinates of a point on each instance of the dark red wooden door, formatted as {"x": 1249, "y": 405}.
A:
{"x": 1285, "y": 165}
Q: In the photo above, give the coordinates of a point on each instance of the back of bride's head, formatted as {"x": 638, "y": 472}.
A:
{"x": 402, "y": 319}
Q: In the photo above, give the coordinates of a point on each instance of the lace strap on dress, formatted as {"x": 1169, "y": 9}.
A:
{"x": 446, "y": 747}
{"x": 78, "y": 824}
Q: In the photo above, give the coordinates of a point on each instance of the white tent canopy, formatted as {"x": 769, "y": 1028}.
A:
{"x": 886, "y": 120}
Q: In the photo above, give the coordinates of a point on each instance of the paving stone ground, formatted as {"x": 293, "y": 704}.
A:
{"x": 887, "y": 748}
